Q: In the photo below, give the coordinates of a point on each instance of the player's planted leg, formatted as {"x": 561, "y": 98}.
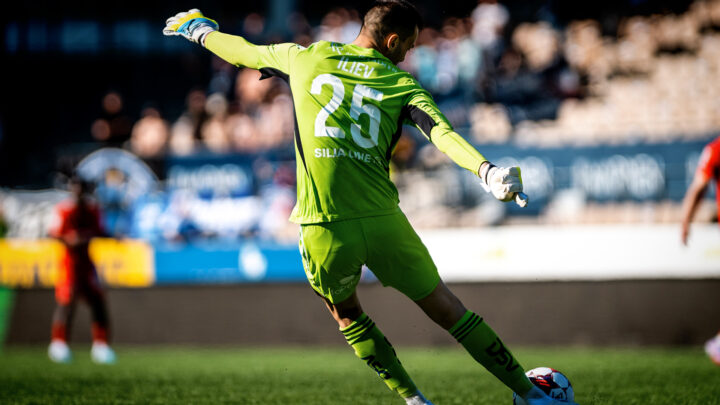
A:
{"x": 371, "y": 346}
{"x": 375, "y": 350}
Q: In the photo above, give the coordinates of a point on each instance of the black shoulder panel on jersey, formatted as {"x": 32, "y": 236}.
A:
{"x": 267, "y": 73}
{"x": 421, "y": 119}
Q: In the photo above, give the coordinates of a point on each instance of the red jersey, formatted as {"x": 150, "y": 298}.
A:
{"x": 709, "y": 166}
{"x": 77, "y": 220}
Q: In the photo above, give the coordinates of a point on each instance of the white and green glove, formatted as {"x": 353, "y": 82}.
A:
{"x": 505, "y": 183}
{"x": 192, "y": 25}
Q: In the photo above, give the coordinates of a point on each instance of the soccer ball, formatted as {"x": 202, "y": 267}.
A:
{"x": 551, "y": 382}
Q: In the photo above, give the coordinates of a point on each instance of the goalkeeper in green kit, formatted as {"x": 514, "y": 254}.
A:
{"x": 351, "y": 101}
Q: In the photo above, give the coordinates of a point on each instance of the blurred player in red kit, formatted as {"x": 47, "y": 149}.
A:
{"x": 708, "y": 169}
{"x": 76, "y": 222}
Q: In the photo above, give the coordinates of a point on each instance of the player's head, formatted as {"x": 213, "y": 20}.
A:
{"x": 393, "y": 25}
{"x": 79, "y": 187}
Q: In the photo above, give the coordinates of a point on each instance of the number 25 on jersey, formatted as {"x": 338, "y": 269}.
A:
{"x": 357, "y": 108}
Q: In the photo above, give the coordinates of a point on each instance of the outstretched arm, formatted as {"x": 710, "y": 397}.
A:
{"x": 236, "y": 50}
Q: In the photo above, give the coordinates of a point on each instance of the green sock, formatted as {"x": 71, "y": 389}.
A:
{"x": 6, "y": 300}
{"x": 487, "y": 349}
{"x": 373, "y": 348}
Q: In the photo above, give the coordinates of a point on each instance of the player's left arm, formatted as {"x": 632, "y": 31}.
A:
{"x": 505, "y": 183}
{"x": 234, "y": 49}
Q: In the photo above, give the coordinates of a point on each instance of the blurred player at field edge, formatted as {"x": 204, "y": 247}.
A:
{"x": 707, "y": 170}
{"x": 351, "y": 101}
{"x": 76, "y": 222}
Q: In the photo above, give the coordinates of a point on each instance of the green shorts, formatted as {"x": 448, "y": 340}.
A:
{"x": 334, "y": 252}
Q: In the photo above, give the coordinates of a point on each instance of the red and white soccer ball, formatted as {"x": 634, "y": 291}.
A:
{"x": 551, "y": 382}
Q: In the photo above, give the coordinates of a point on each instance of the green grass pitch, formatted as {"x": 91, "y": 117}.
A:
{"x": 312, "y": 375}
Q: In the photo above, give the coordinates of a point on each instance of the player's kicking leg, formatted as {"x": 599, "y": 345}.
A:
{"x": 400, "y": 260}
{"x": 374, "y": 349}
{"x": 476, "y": 336}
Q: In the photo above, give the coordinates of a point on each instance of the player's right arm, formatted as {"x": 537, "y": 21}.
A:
{"x": 236, "y": 50}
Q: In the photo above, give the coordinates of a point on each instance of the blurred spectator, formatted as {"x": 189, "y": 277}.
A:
{"x": 421, "y": 60}
{"x": 242, "y": 132}
{"x": 222, "y": 78}
{"x": 149, "y": 135}
{"x": 113, "y": 196}
{"x": 447, "y": 60}
{"x": 186, "y": 130}
{"x": 253, "y": 26}
{"x": 264, "y": 117}
{"x": 489, "y": 21}
{"x": 176, "y": 222}
{"x": 213, "y": 131}
{"x": 538, "y": 43}
{"x": 490, "y": 123}
{"x": 274, "y": 121}
{"x": 113, "y": 126}
{"x": 278, "y": 201}
{"x": 339, "y": 25}
{"x": 300, "y": 28}
{"x": 636, "y": 47}
{"x": 250, "y": 92}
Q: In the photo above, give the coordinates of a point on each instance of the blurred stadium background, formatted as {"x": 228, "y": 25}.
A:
{"x": 606, "y": 107}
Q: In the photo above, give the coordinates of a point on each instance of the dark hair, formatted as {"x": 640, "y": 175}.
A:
{"x": 86, "y": 186}
{"x": 387, "y": 16}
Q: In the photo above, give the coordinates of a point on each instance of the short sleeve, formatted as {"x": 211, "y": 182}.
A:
{"x": 709, "y": 160}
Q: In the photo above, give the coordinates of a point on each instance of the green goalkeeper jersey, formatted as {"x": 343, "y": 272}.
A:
{"x": 350, "y": 105}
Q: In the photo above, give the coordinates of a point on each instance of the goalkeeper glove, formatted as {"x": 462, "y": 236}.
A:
{"x": 192, "y": 25}
{"x": 505, "y": 183}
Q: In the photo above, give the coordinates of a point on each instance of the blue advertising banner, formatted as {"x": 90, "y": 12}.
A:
{"x": 227, "y": 175}
{"x": 641, "y": 172}
{"x": 635, "y": 172}
{"x": 227, "y": 263}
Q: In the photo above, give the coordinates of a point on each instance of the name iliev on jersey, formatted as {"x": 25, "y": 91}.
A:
{"x": 355, "y": 68}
